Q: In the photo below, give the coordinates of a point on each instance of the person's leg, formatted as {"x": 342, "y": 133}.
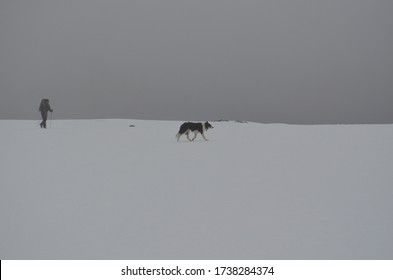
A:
{"x": 42, "y": 122}
{"x": 44, "y": 118}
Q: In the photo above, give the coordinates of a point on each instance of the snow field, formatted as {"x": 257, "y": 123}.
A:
{"x": 100, "y": 189}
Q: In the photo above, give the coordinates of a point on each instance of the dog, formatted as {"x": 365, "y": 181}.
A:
{"x": 188, "y": 127}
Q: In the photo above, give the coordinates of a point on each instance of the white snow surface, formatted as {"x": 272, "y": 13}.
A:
{"x": 100, "y": 189}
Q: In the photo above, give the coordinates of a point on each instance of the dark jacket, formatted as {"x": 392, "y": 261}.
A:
{"x": 44, "y": 106}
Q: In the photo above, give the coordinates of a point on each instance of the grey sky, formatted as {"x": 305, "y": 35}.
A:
{"x": 293, "y": 61}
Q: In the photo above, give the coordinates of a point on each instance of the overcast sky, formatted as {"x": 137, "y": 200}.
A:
{"x": 292, "y": 61}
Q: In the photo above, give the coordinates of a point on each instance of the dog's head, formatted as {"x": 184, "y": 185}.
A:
{"x": 207, "y": 125}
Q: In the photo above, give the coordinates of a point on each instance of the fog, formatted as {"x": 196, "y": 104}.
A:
{"x": 286, "y": 61}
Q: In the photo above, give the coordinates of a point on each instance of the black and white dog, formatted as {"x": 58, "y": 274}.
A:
{"x": 188, "y": 127}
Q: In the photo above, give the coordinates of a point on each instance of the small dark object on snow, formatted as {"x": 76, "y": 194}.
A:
{"x": 131, "y": 125}
{"x": 221, "y": 120}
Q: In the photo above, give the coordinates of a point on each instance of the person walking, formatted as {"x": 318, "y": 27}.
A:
{"x": 44, "y": 108}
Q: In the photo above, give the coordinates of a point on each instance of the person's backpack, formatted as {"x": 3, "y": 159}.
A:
{"x": 44, "y": 105}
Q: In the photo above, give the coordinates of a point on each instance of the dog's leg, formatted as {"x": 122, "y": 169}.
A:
{"x": 188, "y": 135}
{"x": 178, "y": 136}
{"x": 203, "y": 135}
{"x": 195, "y": 135}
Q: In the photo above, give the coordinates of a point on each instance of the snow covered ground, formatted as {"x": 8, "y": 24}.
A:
{"x": 100, "y": 189}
